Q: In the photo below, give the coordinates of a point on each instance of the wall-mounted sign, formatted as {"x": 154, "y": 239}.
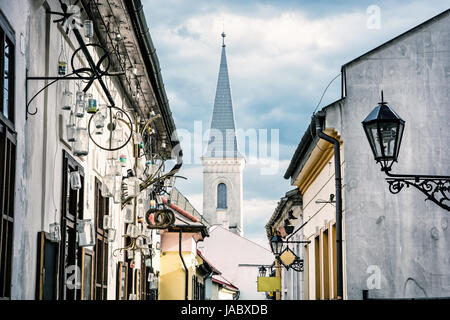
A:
{"x": 269, "y": 284}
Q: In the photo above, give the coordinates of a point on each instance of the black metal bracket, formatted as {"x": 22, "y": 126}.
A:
{"x": 93, "y": 72}
{"x": 436, "y": 188}
{"x": 300, "y": 241}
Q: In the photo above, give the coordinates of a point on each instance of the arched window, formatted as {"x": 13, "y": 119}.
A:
{"x": 221, "y": 196}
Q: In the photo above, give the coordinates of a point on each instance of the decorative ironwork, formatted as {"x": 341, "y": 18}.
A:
{"x": 134, "y": 246}
{"x": 436, "y": 188}
{"x": 159, "y": 218}
{"x": 111, "y": 127}
{"x": 297, "y": 265}
{"x": 91, "y": 73}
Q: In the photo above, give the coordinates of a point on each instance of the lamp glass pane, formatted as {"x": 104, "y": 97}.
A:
{"x": 372, "y": 134}
{"x": 388, "y": 132}
{"x": 401, "y": 126}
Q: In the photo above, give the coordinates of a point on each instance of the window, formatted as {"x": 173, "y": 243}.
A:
{"x": 7, "y": 159}
{"x": 72, "y": 212}
{"x": 101, "y": 244}
{"x": 317, "y": 266}
{"x": 334, "y": 263}
{"x": 197, "y": 289}
{"x": 6, "y": 71}
{"x": 221, "y": 196}
{"x": 325, "y": 267}
{"x": 122, "y": 281}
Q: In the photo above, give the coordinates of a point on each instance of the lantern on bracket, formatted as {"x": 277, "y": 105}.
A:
{"x": 85, "y": 230}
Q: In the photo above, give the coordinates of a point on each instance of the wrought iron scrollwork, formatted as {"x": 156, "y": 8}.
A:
{"x": 436, "y": 188}
{"x": 297, "y": 265}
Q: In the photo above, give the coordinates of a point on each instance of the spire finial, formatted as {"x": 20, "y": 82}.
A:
{"x": 223, "y": 39}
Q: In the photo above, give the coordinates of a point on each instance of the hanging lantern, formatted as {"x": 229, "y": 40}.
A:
{"x": 85, "y": 230}
{"x": 107, "y": 186}
{"x": 131, "y": 185}
{"x": 81, "y": 144}
{"x": 55, "y": 232}
{"x": 112, "y": 234}
{"x": 140, "y": 213}
{"x": 169, "y": 182}
{"x": 116, "y": 136}
{"x": 75, "y": 180}
{"x": 99, "y": 119}
{"x": 139, "y": 241}
{"x": 128, "y": 218}
{"x": 88, "y": 28}
{"x": 107, "y": 222}
{"x": 140, "y": 168}
{"x": 66, "y": 100}
{"x": 152, "y": 204}
{"x": 62, "y": 61}
{"x": 148, "y": 234}
{"x": 91, "y": 104}
{"x": 113, "y": 168}
{"x": 145, "y": 252}
{"x": 80, "y": 104}
{"x": 117, "y": 193}
{"x": 71, "y": 128}
{"x": 132, "y": 231}
{"x": 123, "y": 160}
{"x": 62, "y": 67}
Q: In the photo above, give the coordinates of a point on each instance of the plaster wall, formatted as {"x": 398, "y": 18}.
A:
{"x": 229, "y": 172}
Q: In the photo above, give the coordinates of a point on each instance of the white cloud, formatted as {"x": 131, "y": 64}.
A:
{"x": 258, "y": 210}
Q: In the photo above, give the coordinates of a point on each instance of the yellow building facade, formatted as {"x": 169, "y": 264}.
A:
{"x": 314, "y": 176}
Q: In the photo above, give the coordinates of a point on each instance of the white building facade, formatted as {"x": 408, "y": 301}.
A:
{"x": 40, "y": 161}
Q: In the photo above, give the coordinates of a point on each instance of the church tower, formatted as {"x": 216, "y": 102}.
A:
{"x": 222, "y": 162}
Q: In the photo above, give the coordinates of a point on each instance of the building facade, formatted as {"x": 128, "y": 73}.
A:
{"x": 222, "y": 162}
{"x": 287, "y": 222}
{"x": 66, "y": 205}
{"x": 237, "y": 258}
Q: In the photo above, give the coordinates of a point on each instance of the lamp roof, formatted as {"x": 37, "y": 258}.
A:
{"x": 382, "y": 112}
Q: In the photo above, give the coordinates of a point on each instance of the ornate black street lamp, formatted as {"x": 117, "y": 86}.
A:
{"x": 262, "y": 271}
{"x": 384, "y": 130}
{"x": 276, "y": 244}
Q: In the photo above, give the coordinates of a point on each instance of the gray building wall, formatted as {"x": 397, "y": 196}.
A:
{"x": 402, "y": 236}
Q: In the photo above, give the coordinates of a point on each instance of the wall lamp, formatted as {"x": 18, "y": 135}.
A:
{"x": 384, "y": 130}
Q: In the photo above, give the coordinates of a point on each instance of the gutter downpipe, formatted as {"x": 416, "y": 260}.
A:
{"x": 338, "y": 179}
{"x": 186, "y": 288}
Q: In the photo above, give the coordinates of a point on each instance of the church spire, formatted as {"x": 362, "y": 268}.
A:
{"x": 223, "y": 142}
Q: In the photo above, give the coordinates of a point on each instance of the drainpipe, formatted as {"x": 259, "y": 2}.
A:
{"x": 186, "y": 288}
{"x": 337, "y": 174}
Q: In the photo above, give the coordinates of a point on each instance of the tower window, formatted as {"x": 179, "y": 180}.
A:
{"x": 221, "y": 196}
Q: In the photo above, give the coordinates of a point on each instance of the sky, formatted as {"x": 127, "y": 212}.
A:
{"x": 281, "y": 56}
